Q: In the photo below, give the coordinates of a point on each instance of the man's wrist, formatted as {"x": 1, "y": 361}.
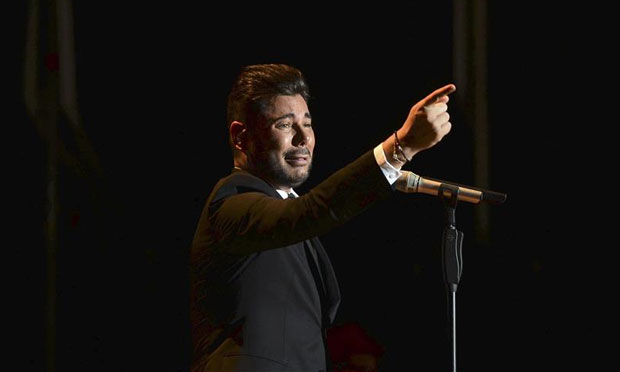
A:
{"x": 408, "y": 151}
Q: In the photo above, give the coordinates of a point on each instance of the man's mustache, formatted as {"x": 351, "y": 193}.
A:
{"x": 300, "y": 152}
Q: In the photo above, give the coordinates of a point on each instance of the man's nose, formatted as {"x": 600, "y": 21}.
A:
{"x": 303, "y": 136}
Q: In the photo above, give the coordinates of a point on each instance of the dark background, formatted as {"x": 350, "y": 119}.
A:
{"x": 152, "y": 84}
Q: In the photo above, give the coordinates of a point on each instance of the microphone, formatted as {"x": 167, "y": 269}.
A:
{"x": 410, "y": 182}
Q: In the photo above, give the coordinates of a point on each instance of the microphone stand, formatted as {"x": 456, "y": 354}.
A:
{"x": 452, "y": 239}
{"x": 452, "y": 243}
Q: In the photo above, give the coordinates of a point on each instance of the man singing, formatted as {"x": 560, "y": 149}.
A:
{"x": 263, "y": 291}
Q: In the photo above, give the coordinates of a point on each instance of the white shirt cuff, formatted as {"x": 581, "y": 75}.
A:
{"x": 390, "y": 173}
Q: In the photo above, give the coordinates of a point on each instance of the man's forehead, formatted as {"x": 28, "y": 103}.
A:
{"x": 285, "y": 105}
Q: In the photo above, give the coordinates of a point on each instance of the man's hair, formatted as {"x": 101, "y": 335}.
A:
{"x": 256, "y": 86}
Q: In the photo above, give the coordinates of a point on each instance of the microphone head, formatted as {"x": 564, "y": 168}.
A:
{"x": 493, "y": 197}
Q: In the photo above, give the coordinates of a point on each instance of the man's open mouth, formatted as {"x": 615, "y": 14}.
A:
{"x": 298, "y": 160}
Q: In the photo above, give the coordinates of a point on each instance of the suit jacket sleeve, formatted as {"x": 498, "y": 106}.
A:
{"x": 240, "y": 217}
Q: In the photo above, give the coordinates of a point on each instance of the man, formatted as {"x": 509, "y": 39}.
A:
{"x": 263, "y": 289}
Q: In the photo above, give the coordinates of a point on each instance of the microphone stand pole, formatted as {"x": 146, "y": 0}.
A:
{"x": 452, "y": 243}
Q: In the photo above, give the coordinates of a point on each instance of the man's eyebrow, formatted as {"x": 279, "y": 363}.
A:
{"x": 290, "y": 115}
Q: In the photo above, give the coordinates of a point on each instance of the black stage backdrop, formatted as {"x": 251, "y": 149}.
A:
{"x": 152, "y": 85}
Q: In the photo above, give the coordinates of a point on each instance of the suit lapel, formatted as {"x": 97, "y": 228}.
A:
{"x": 330, "y": 283}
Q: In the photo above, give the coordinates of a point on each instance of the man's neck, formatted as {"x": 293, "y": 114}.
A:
{"x": 284, "y": 191}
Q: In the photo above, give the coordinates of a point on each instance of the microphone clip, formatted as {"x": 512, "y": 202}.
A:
{"x": 452, "y": 241}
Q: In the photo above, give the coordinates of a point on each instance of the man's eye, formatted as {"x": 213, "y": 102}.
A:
{"x": 308, "y": 125}
{"x": 283, "y": 125}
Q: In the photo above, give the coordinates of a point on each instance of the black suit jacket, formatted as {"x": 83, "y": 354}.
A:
{"x": 255, "y": 306}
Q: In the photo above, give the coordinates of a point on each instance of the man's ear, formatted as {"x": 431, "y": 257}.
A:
{"x": 237, "y": 132}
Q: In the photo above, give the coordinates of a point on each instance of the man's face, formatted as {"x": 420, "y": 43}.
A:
{"x": 282, "y": 146}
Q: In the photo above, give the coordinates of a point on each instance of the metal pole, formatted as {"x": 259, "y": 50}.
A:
{"x": 453, "y": 331}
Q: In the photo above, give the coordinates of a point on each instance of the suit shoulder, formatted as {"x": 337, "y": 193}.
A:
{"x": 238, "y": 183}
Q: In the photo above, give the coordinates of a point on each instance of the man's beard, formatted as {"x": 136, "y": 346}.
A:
{"x": 281, "y": 177}
{"x": 271, "y": 167}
